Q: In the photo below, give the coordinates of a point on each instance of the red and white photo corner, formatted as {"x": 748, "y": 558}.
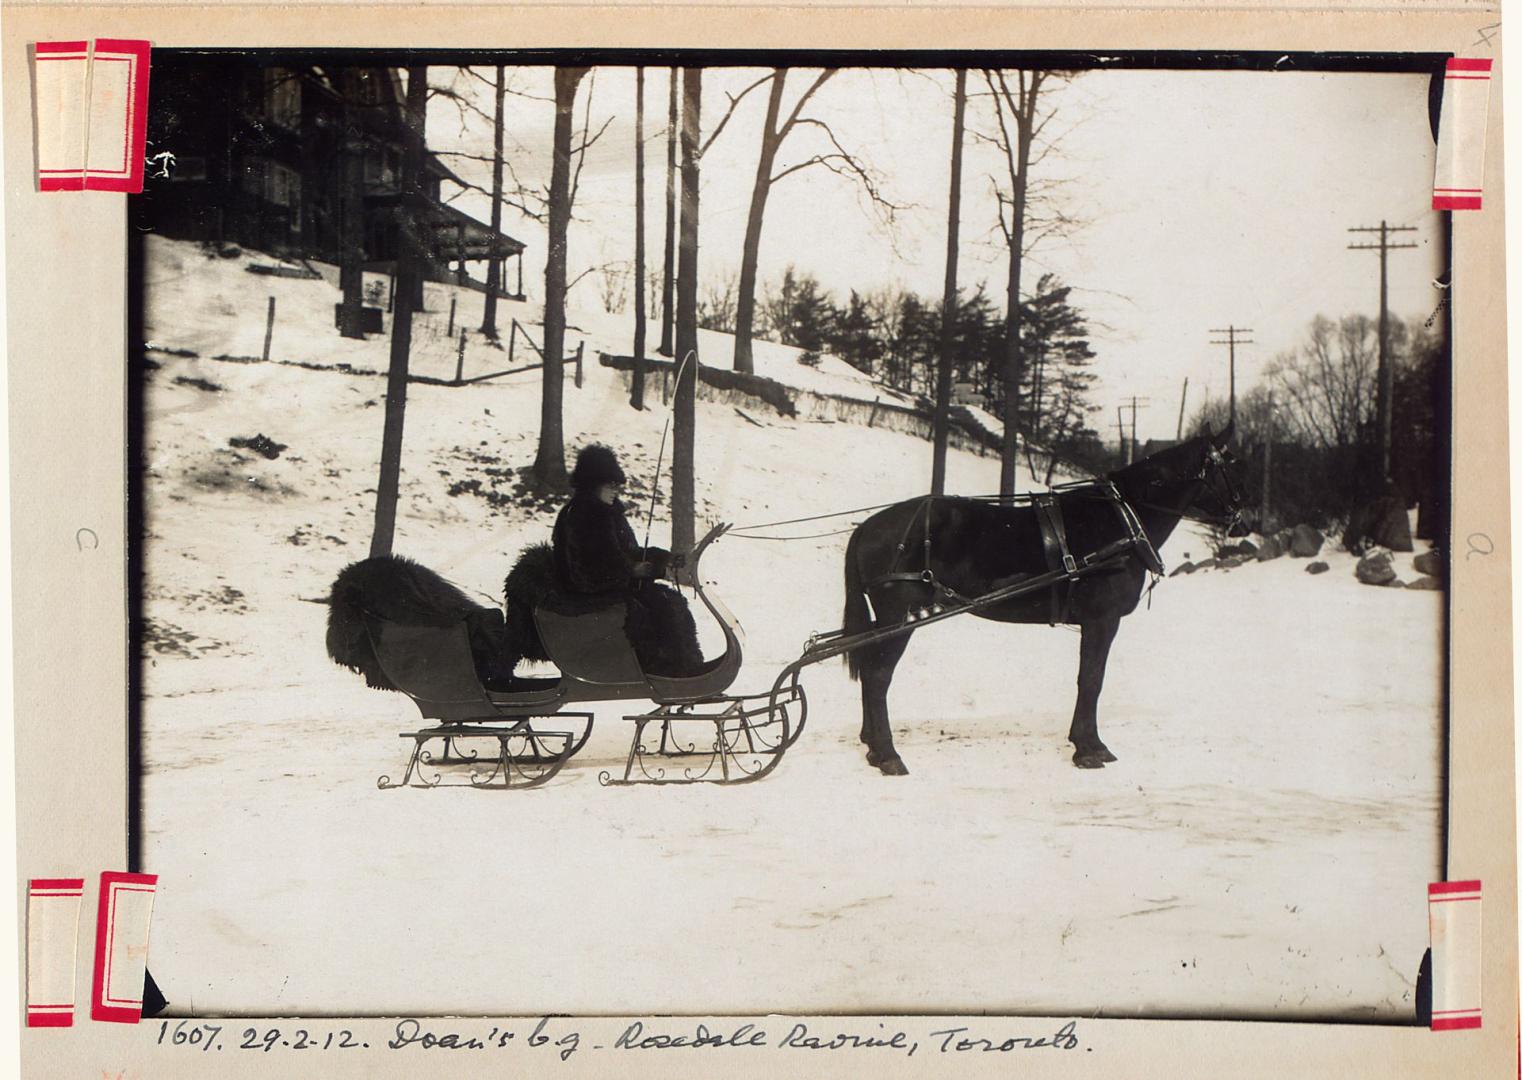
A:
{"x": 52, "y": 943}
{"x": 121, "y": 945}
{"x": 1453, "y": 917}
{"x": 91, "y": 101}
{"x": 1461, "y": 135}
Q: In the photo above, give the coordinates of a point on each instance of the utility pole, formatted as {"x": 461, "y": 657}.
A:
{"x": 1178, "y": 436}
{"x": 1268, "y": 465}
{"x": 1120, "y": 426}
{"x": 1386, "y": 369}
{"x": 1231, "y": 342}
{"x": 1134, "y": 402}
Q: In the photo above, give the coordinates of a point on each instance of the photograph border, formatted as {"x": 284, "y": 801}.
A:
{"x": 66, "y": 268}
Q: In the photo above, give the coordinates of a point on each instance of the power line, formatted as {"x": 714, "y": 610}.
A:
{"x": 1386, "y": 369}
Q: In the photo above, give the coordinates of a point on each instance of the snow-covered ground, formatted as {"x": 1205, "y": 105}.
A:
{"x": 1261, "y": 848}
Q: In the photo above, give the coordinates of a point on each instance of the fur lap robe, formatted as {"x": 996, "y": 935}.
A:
{"x": 595, "y": 551}
{"x": 396, "y": 590}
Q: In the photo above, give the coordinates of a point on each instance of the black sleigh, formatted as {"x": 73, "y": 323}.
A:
{"x": 512, "y": 732}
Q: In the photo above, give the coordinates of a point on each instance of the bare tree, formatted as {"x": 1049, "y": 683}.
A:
{"x": 408, "y": 278}
{"x": 549, "y": 465}
{"x": 774, "y": 131}
{"x": 613, "y": 286}
{"x": 1019, "y": 125}
{"x": 716, "y": 307}
{"x": 684, "y": 421}
{"x": 494, "y": 267}
{"x": 949, "y": 297}
{"x": 668, "y": 281}
{"x": 637, "y": 381}
{"x": 1329, "y": 386}
{"x": 351, "y": 271}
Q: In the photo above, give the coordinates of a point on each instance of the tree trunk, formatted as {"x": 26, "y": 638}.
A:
{"x": 1014, "y": 361}
{"x": 745, "y": 302}
{"x": 683, "y": 496}
{"x": 669, "y": 279}
{"x": 549, "y": 466}
{"x": 494, "y": 267}
{"x": 637, "y": 382}
{"x": 408, "y": 272}
{"x": 942, "y": 425}
{"x": 351, "y": 272}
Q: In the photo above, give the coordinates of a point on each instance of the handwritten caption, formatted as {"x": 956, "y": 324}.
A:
{"x": 561, "y": 1038}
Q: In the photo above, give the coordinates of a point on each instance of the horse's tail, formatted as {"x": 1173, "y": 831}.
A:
{"x": 857, "y": 617}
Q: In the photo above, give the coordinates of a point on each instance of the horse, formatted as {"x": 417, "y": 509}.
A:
{"x": 916, "y": 555}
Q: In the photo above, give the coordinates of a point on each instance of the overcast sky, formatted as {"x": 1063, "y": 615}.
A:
{"x": 1206, "y": 199}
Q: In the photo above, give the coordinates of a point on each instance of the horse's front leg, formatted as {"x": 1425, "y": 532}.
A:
{"x": 1093, "y": 653}
{"x": 876, "y": 677}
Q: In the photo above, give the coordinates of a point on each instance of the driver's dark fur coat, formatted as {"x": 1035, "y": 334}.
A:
{"x": 596, "y": 553}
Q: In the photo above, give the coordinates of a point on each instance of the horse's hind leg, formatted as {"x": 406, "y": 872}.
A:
{"x": 1093, "y": 654}
{"x": 876, "y": 677}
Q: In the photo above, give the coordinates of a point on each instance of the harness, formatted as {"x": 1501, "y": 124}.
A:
{"x": 1058, "y": 554}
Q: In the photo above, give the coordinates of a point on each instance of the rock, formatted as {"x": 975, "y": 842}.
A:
{"x": 1375, "y": 569}
{"x": 1271, "y": 549}
{"x": 1182, "y": 568}
{"x": 1317, "y": 568}
{"x": 1305, "y": 541}
{"x": 1205, "y": 564}
{"x": 1429, "y": 582}
{"x": 1382, "y": 522}
{"x": 1248, "y": 548}
{"x": 1230, "y": 562}
{"x": 1430, "y": 563}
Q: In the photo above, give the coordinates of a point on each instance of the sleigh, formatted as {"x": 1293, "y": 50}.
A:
{"x": 520, "y": 732}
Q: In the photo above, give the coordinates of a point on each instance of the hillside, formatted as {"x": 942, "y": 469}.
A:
{"x": 1261, "y": 848}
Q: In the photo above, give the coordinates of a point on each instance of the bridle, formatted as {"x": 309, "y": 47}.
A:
{"x": 1217, "y": 464}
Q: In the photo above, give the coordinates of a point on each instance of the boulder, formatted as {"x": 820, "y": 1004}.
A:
{"x": 1205, "y": 564}
{"x": 1182, "y": 568}
{"x": 1382, "y": 522}
{"x": 1430, "y": 563}
{"x": 1305, "y": 541}
{"x": 1230, "y": 562}
{"x": 1427, "y": 582}
{"x": 1375, "y": 569}
{"x": 1317, "y": 568}
{"x": 1271, "y": 549}
{"x": 1248, "y": 548}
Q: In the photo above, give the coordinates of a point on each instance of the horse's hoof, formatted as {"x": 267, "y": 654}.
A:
{"x": 1091, "y": 760}
{"x": 892, "y": 767}
{"x": 1106, "y": 755}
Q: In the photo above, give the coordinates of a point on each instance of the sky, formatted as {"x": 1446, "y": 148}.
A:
{"x": 1204, "y": 199}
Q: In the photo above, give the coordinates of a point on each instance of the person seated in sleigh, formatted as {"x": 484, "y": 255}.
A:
{"x": 596, "y": 554}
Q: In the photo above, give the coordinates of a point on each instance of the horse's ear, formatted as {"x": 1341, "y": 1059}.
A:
{"x": 1224, "y": 437}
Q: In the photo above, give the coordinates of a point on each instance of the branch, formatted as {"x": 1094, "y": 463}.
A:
{"x": 792, "y": 118}
{"x": 734, "y": 101}
{"x": 855, "y": 167}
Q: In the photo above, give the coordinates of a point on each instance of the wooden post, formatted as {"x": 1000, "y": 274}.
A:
{"x": 459, "y": 360}
{"x": 873, "y": 414}
{"x": 391, "y": 293}
{"x": 580, "y": 348}
{"x": 512, "y": 339}
{"x": 452, "y": 301}
{"x": 1265, "y": 515}
{"x": 269, "y": 328}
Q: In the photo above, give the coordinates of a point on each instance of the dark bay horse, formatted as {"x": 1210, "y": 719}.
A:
{"x": 940, "y": 550}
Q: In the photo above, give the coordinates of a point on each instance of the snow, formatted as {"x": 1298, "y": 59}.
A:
{"x": 1260, "y": 849}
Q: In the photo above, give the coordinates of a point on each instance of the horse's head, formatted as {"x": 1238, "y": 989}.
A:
{"x": 1197, "y": 474}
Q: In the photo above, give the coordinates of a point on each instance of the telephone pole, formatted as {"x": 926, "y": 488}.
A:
{"x": 1386, "y": 369}
{"x": 1268, "y": 465}
{"x": 1178, "y": 436}
{"x": 1120, "y": 426}
{"x": 1134, "y": 402}
{"x": 1231, "y": 343}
